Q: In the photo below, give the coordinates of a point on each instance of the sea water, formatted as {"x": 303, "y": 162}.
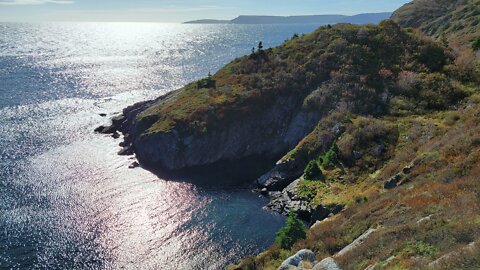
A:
{"x": 67, "y": 200}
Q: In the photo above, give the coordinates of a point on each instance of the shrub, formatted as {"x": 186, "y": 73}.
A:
{"x": 476, "y": 44}
{"x": 433, "y": 56}
{"x": 419, "y": 248}
{"x": 312, "y": 171}
{"x": 408, "y": 82}
{"x": 330, "y": 158}
{"x": 293, "y": 231}
{"x": 208, "y": 82}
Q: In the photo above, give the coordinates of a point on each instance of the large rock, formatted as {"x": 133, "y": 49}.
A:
{"x": 302, "y": 258}
{"x": 327, "y": 264}
{"x": 280, "y": 176}
{"x": 289, "y": 200}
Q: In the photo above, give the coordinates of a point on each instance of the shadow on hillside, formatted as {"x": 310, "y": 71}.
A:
{"x": 240, "y": 173}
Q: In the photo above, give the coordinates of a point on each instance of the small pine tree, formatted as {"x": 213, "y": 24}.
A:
{"x": 260, "y": 46}
{"x": 293, "y": 231}
{"x": 312, "y": 170}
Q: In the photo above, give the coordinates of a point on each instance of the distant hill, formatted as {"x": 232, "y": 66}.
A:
{"x": 319, "y": 19}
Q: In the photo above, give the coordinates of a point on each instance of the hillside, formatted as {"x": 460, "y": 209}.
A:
{"x": 373, "y": 132}
{"x": 317, "y": 19}
{"x": 265, "y": 103}
{"x": 403, "y": 187}
{"x": 452, "y": 22}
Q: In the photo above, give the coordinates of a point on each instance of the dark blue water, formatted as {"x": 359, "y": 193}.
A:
{"x": 67, "y": 201}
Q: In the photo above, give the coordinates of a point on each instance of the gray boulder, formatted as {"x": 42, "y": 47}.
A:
{"x": 327, "y": 264}
{"x": 302, "y": 257}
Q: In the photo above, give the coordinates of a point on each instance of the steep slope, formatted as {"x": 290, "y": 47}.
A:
{"x": 453, "y": 22}
{"x": 404, "y": 187}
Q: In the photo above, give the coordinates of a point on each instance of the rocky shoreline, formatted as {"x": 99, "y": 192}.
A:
{"x": 279, "y": 184}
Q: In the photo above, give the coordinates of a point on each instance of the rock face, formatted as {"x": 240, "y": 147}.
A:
{"x": 281, "y": 175}
{"x": 288, "y": 200}
{"x": 271, "y": 133}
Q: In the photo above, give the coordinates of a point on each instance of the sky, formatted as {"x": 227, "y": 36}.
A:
{"x": 180, "y": 10}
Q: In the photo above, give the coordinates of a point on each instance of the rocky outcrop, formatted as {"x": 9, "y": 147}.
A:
{"x": 123, "y": 123}
{"x": 289, "y": 200}
{"x": 270, "y": 133}
{"x": 356, "y": 243}
{"x": 401, "y": 177}
{"x": 305, "y": 259}
{"x": 284, "y": 172}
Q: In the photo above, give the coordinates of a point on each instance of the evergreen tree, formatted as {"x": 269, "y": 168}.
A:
{"x": 260, "y": 46}
{"x": 293, "y": 231}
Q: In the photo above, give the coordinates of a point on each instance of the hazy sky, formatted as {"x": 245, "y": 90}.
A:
{"x": 179, "y": 10}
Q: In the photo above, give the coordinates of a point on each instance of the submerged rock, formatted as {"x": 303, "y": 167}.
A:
{"x": 106, "y": 129}
{"x": 116, "y": 135}
{"x": 134, "y": 165}
{"x": 126, "y": 151}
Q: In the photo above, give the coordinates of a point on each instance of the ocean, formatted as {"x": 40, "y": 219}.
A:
{"x": 67, "y": 200}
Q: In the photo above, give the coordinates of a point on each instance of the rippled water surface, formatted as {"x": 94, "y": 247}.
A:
{"x": 67, "y": 201}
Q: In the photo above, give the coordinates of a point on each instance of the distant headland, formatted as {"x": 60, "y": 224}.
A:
{"x": 364, "y": 18}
